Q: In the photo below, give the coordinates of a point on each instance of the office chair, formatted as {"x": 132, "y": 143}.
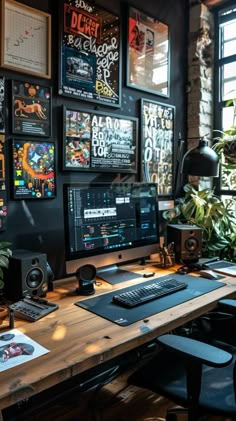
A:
{"x": 199, "y": 377}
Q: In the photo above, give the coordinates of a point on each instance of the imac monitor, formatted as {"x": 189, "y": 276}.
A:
{"x": 109, "y": 224}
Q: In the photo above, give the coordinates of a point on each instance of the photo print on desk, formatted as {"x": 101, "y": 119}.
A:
{"x": 89, "y": 60}
{"x": 33, "y": 169}
{"x": 157, "y": 139}
{"x": 31, "y": 109}
{"x": 2, "y": 105}
{"x": 98, "y": 141}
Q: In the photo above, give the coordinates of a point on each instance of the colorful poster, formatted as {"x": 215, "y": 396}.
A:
{"x": 99, "y": 142}
{"x": 31, "y": 109}
{"x": 157, "y": 144}
{"x": 90, "y": 53}
{"x": 33, "y": 170}
{"x": 2, "y": 105}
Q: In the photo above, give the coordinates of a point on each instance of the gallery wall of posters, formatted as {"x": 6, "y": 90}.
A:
{"x": 157, "y": 134}
{"x": 33, "y": 169}
{"x": 31, "y": 109}
{"x": 90, "y": 53}
{"x": 97, "y": 141}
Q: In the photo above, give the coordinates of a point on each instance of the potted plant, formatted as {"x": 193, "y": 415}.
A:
{"x": 216, "y": 219}
{"x": 5, "y": 253}
{"x": 225, "y": 146}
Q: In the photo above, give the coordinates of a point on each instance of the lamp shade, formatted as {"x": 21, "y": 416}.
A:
{"x": 202, "y": 161}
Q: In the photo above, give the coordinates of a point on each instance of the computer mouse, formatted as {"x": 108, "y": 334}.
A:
{"x": 209, "y": 274}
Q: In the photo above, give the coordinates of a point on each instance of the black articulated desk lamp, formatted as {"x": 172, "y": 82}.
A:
{"x": 201, "y": 161}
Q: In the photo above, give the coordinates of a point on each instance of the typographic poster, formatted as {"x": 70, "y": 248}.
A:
{"x": 31, "y": 112}
{"x": 157, "y": 135}
{"x": 33, "y": 169}
{"x": 97, "y": 141}
{"x": 90, "y": 53}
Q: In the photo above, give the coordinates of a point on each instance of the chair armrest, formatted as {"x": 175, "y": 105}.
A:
{"x": 227, "y": 304}
{"x": 196, "y": 350}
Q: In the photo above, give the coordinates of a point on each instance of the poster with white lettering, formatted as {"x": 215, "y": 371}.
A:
{"x": 97, "y": 141}
{"x": 157, "y": 134}
{"x": 89, "y": 53}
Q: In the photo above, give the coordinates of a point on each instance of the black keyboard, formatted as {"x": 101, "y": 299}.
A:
{"x": 143, "y": 294}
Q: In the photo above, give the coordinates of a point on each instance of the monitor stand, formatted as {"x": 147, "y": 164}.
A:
{"x": 114, "y": 274}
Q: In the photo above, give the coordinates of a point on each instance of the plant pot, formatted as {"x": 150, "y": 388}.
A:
{"x": 230, "y": 152}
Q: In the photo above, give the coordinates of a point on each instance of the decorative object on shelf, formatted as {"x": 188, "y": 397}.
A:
{"x": 157, "y": 136}
{"x": 2, "y": 105}
{"x": 202, "y": 161}
{"x": 216, "y": 218}
{"x": 33, "y": 169}
{"x": 148, "y": 53}
{"x": 89, "y": 59}
{"x": 26, "y": 39}
{"x": 31, "y": 109}
{"x": 99, "y": 141}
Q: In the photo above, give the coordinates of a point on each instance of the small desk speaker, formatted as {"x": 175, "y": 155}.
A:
{"x": 26, "y": 275}
{"x": 187, "y": 241}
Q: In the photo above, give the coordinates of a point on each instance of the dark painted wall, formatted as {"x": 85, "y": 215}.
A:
{"x": 38, "y": 225}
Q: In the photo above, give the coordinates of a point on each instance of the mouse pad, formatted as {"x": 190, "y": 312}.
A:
{"x": 103, "y": 306}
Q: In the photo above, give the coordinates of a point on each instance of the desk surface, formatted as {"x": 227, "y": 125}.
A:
{"x": 79, "y": 340}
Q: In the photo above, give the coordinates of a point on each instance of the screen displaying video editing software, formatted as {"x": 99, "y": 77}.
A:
{"x": 109, "y": 223}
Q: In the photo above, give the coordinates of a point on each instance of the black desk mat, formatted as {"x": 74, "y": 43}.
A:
{"x": 103, "y": 306}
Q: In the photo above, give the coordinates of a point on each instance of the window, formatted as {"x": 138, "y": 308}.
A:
{"x": 225, "y": 91}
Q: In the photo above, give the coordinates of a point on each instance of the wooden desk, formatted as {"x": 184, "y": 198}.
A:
{"x": 79, "y": 340}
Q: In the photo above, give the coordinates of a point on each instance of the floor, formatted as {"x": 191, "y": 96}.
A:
{"x": 115, "y": 401}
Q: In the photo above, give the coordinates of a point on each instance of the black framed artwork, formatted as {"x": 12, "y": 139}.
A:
{"x": 99, "y": 141}
{"x": 157, "y": 139}
{"x": 33, "y": 169}
{"x": 148, "y": 57}
{"x": 89, "y": 61}
{"x": 31, "y": 109}
{"x": 3, "y": 191}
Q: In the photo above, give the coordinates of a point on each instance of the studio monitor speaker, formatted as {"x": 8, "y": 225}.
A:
{"x": 26, "y": 275}
{"x": 86, "y": 278}
{"x": 187, "y": 242}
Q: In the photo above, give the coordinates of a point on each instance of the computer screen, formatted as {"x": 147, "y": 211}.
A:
{"x": 109, "y": 223}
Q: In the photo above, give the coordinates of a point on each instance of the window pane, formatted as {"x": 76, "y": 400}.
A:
{"x": 229, "y": 81}
{"x": 228, "y": 38}
{"x": 228, "y": 117}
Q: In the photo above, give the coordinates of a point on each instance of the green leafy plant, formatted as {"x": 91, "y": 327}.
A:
{"x": 225, "y": 146}
{"x": 216, "y": 219}
{"x": 5, "y": 253}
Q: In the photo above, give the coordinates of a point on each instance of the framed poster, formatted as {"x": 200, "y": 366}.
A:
{"x": 97, "y": 141}
{"x": 148, "y": 60}
{"x": 157, "y": 138}
{"x": 26, "y": 39}
{"x": 31, "y": 109}
{"x": 33, "y": 169}
{"x": 89, "y": 62}
{"x": 2, "y": 105}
